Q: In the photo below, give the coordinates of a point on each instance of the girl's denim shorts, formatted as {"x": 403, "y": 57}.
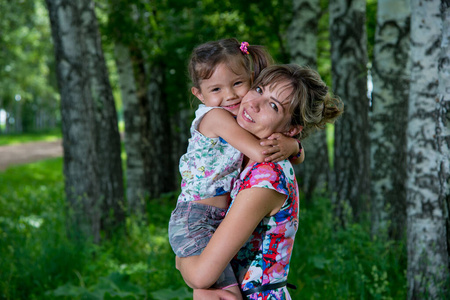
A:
{"x": 191, "y": 226}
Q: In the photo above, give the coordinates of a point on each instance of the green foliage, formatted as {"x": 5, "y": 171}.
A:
{"x": 346, "y": 263}
{"x": 39, "y": 261}
{"x": 27, "y": 86}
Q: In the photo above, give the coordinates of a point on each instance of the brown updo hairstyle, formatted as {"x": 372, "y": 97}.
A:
{"x": 311, "y": 105}
{"x": 206, "y": 57}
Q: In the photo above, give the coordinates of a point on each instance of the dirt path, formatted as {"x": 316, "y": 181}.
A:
{"x": 28, "y": 152}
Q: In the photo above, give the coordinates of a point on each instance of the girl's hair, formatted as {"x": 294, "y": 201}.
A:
{"x": 311, "y": 105}
{"x": 206, "y": 57}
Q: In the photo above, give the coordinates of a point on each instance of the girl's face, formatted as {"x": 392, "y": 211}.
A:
{"x": 264, "y": 112}
{"x": 224, "y": 88}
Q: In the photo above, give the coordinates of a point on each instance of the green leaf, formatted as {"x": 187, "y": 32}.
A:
{"x": 168, "y": 294}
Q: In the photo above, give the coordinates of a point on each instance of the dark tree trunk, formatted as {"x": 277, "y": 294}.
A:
{"x": 92, "y": 164}
{"x": 349, "y": 72}
{"x": 388, "y": 118}
{"x": 314, "y": 172}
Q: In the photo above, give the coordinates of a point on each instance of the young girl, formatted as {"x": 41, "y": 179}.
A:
{"x": 221, "y": 73}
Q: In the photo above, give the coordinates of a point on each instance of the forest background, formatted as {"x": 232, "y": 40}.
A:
{"x": 375, "y": 187}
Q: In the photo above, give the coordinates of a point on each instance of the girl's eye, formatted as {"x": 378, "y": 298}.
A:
{"x": 215, "y": 90}
{"x": 274, "y": 106}
{"x": 238, "y": 83}
{"x": 259, "y": 90}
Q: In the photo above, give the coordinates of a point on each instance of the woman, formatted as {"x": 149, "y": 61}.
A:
{"x": 263, "y": 218}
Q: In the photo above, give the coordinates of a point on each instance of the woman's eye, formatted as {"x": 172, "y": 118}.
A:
{"x": 259, "y": 90}
{"x": 274, "y": 106}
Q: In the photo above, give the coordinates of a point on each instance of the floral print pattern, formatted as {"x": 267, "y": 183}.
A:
{"x": 264, "y": 259}
{"x": 210, "y": 165}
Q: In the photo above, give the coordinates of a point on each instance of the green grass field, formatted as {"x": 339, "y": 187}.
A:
{"x": 38, "y": 261}
{"x": 9, "y": 139}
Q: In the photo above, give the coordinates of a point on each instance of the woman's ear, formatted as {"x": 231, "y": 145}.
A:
{"x": 294, "y": 130}
{"x": 197, "y": 93}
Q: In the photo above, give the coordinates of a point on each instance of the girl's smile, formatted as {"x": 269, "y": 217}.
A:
{"x": 224, "y": 88}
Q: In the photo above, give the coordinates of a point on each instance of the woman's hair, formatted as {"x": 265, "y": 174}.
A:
{"x": 311, "y": 105}
{"x": 206, "y": 57}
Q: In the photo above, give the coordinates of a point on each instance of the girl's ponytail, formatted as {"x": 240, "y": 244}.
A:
{"x": 260, "y": 58}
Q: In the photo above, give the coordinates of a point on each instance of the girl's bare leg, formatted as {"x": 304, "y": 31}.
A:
{"x": 231, "y": 293}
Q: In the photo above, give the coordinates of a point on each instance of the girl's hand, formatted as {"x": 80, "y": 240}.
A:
{"x": 281, "y": 147}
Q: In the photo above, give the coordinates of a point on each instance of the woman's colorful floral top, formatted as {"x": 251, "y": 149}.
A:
{"x": 210, "y": 166}
{"x": 264, "y": 259}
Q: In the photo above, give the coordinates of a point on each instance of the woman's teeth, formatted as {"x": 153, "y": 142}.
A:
{"x": 248, "y": 116}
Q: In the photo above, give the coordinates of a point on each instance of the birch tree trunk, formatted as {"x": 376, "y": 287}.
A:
{"x": 137, "y": 186}
{"x": 427, "y": 196}
{"x": 302, "y": 40}
{"x": 443, "y": 118}
{"x": 150, "y": 165}
{"x": 92, "y": 166}
{"x": 349, "y": 72}
{"x": 388, "y": 118}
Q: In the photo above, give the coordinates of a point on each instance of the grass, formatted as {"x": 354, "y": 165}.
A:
{"x": 38, "y": 261}
{"x": 10, "y": 139}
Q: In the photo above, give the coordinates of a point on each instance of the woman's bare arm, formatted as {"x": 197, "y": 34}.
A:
{"x": 249, "y": 208}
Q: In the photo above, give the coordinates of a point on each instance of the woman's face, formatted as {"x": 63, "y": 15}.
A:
{"x": 264, "y": 111}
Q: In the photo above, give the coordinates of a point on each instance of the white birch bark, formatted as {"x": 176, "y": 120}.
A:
{"x": 428, "y": 263}
{"x": 349, "y": 74}
{"x": 388, "y": 117}
{"x": 302, "y": 41}
{"x": 302, "y": 32}
{"x": 443, "y": 118}
{"x": 137, "y": 187}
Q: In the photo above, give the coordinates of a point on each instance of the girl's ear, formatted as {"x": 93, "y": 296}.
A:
{"x": 294, "y": 130}
{"x": 197, "y": 93}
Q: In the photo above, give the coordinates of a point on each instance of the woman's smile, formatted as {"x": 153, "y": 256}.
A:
{"x": 247, "y": 117}
{"x": 264, "y": 111}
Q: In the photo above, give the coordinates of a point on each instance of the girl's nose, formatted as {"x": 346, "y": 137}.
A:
{"x": 231, "y": 94}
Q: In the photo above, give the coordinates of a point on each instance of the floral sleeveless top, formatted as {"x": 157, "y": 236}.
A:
{"x": 210, "y": 166}
{"x": 265, "y": 258}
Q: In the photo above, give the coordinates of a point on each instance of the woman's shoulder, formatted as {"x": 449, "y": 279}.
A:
{"x": 276, "y": 176}
{"x": 269, "y": 169}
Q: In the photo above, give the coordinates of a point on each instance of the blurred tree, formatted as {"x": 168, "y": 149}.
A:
{"x": 349, "y": 73}
{"x": 302, "y": 39}
{"x": 27, "y": 89}
{"x": 388, "y": 118}
{"x": 92, "y": 164}
{"x": 427, "y": 196}
{"x": 137, "y": 29}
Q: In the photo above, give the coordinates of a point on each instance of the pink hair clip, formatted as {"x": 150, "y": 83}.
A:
{"x": 243, "y": 48}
